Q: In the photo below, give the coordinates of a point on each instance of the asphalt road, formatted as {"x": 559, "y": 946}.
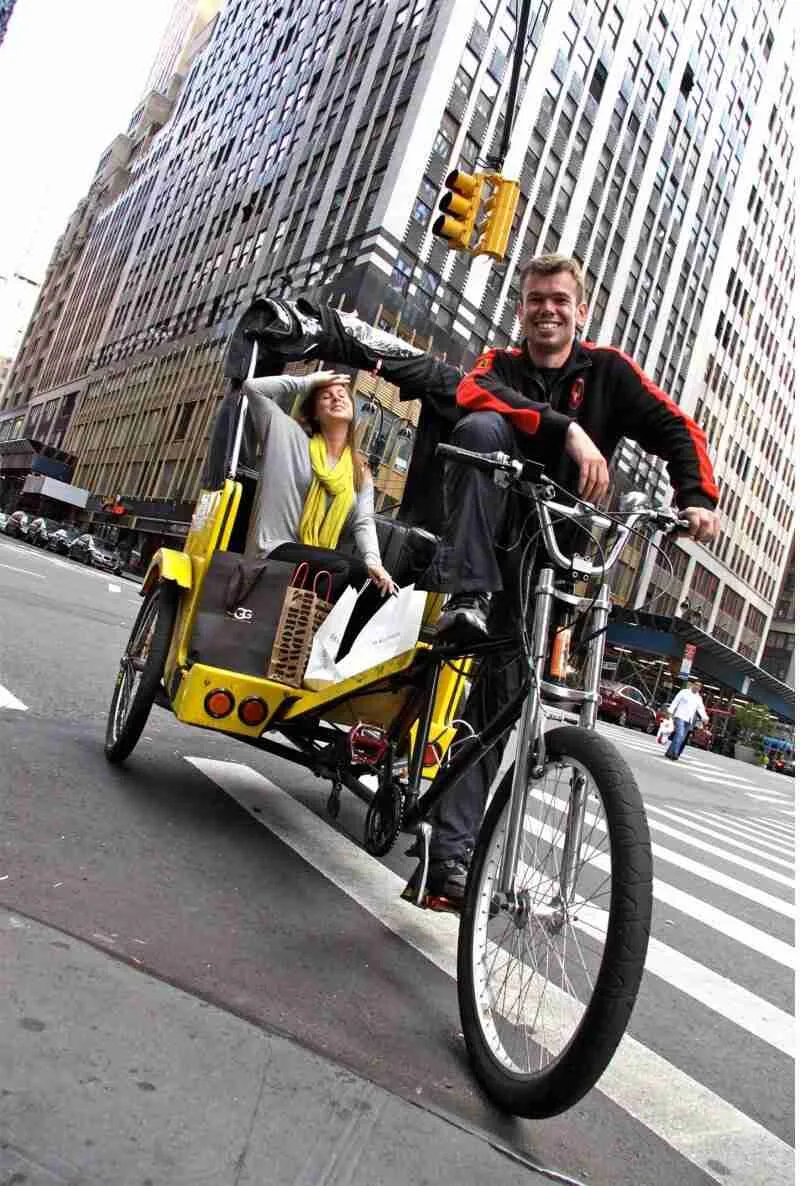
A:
{"x": 215, "y": 868}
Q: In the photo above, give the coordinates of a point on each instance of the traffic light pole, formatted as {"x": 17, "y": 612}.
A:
{"x": 511, "y": 99}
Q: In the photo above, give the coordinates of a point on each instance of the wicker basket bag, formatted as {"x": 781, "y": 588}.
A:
{"x": 304, "y": 611}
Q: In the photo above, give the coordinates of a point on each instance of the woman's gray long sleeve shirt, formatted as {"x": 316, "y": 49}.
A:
{"x": 286, "y": 474}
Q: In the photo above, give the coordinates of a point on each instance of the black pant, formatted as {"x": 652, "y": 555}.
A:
{"x": 481, "y": 553}
{"x": 480, "y": 517}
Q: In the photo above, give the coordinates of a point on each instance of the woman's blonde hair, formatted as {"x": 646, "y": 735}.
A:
{"x": 308, "y": 418}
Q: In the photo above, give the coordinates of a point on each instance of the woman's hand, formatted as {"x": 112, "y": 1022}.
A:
{"x": 323, "y": 378}
{"x": 380, "y": 577}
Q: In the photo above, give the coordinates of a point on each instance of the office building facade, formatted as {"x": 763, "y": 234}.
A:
{"x": 303, "y": 151}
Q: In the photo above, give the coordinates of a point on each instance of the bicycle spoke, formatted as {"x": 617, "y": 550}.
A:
{"x": 541, "y": 966}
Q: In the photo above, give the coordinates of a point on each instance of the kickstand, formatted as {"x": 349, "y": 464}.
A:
{"x": 417, "y": 887}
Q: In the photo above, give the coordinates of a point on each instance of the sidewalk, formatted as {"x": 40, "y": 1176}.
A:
{"x": 109, "y": 1077}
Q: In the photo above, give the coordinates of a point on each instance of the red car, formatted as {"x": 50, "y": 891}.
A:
{"x": 626, "y": 705}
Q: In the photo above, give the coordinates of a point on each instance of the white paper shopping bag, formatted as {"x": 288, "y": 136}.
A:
{"x": 321, "y": 669}
{"x": 391, "y": 631}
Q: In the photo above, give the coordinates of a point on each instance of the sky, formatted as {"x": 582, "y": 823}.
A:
{"x": 71, "y": 74}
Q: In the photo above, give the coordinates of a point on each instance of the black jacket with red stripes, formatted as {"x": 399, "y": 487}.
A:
{"x": 609, "y": 396}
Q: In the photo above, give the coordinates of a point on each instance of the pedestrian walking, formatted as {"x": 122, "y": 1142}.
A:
{"x": 686, "y": 706}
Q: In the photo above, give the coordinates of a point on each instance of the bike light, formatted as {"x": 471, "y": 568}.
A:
{"x": 253, "y": 711}
{"x": 432, "y": 755}
{"x": 219, "y": 703}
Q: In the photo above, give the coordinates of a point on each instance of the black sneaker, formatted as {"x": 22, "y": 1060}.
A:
{"x": 464, "y": 619}
{"x": 445, "y": 888}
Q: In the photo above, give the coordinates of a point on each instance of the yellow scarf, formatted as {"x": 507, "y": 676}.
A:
{"x": 321, "y": 523}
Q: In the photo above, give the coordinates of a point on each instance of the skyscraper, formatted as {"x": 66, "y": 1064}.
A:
{"x": 304, "y": 154}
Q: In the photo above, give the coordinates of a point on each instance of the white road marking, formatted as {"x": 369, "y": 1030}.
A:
{"x": 766, "y": 837}
{"x": 752, "y": 893}
{"x": 716, "y": 992}
{"x": 115, "y": 588}
{"x": 8, "y": 700}
{"x": 698, "y": 1124}
{"x": 25, "y": 571}
{"x": 717, "y": 833}
{"x": 766, "y": 798}
{"x": 778, "y": 828}
{"x": 715, "y": 851}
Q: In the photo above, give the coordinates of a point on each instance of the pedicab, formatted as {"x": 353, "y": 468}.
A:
{"x": 554, "y": 929}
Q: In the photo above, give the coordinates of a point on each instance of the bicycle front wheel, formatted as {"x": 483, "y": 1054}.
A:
{"x": 547, "y": 981}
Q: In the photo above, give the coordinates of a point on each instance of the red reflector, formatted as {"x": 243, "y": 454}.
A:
{"x": 432, "y": 755}
{"x": 219, "y": 703}
{"x": 252, "y": 711}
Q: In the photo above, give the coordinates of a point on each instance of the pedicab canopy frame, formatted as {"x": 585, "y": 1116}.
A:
{"x": 282, "y": 332}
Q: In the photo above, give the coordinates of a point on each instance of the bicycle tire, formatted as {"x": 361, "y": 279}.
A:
{"x": 123, "y": 734}
{"x": 620, "y": 960}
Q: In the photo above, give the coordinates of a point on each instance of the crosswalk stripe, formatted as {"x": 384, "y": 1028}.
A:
{"x": 715, "y": 850}
{"x": 752, "y": 893}
{"x": 709, "y": 988}
{"x": 786, "y": 829}
{"x": 744, "y": 826}
{"x": 9, "y": 700}
{"x": 766, "y": 798}
{"x": 718, "y": 833}
{"x": 693, "y": 1120}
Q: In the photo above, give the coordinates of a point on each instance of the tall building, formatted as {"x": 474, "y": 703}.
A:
{"x": 778, "y": 656}
{"x": 304, "y": 153}
{"x": 6, "y": 8}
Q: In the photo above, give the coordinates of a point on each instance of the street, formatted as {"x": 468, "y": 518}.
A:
{"x": 215, "y": 868}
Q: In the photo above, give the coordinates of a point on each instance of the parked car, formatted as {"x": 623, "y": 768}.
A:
{"x": 17, "y": 525}
{"x": 88, "y": 550}
{"x": 39, "y": 531}
{"x": 60, "y": 539}
{"x": 626, "y": 705}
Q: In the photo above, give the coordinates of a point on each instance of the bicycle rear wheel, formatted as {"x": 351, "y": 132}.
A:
{"x": 546, "y": 988}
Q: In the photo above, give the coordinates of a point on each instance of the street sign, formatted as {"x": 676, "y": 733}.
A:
{"x": 689, "y": 652}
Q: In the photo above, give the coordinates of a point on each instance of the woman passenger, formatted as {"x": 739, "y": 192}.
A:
{"x": 313, "y": 485}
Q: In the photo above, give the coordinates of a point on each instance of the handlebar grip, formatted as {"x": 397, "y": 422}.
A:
{"x": 489, "y": 462}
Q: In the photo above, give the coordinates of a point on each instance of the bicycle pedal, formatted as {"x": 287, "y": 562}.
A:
{"x": 427, "y": 901}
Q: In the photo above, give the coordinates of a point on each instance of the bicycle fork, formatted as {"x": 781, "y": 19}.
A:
{"x": 530, "y": 731}
{"x": 530, "y": 752}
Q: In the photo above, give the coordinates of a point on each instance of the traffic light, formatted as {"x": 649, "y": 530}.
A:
{"x": 459, "y": 210}
{"x": 497, "y": 216}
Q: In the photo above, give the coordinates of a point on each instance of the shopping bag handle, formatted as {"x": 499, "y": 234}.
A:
{"x": 299, "y": 576}
{"x": 323, "y": 573}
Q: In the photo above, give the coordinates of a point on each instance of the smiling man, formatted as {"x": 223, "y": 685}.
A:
{"x": 566, "y": 404}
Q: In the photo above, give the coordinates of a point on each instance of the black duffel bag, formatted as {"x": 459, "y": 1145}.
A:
{"x": 238, "y": 612}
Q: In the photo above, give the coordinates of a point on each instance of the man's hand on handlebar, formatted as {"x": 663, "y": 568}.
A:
{"x": 593, "y": 471}
{"x": 703, "y": 525}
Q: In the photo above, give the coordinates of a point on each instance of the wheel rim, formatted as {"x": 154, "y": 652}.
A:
{"x": 535, "y": 970}
{"x": 132, "y": 665}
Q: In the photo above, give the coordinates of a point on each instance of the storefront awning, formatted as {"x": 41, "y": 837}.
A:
{"x": 74, "y": 496}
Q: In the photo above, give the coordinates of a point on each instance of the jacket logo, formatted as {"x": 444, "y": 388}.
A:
{"x": 576, "y": 395}
{"x": 484, "y": 363}
{"x": 241, "y": 614}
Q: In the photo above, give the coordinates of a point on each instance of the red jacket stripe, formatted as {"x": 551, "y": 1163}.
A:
{"x": 474, "y": 398}
{"x": 696, "y": 434}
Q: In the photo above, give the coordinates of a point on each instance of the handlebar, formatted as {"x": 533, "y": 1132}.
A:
{"x": 515, "y": 471}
